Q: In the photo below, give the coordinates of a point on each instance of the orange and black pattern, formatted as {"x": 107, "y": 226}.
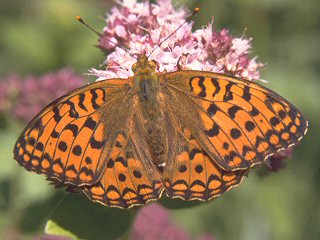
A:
{"x": 67, "y": 141}
{"x": 193, "y": 175}
{"x": 216, "y": 128}
{"x": 242, "y": 123}
{"x": 126, "y": 181}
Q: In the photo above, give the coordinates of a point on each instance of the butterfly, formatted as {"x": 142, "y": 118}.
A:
{"x": 189, "y": 134}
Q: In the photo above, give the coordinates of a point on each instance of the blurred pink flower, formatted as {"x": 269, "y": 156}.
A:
{"x": 10, "y": 88}
{"x": 154, "y": 222}
{"x": 276, "y": 162}
{"x": 141, "y": 26}
{"x": 23, "y": 98}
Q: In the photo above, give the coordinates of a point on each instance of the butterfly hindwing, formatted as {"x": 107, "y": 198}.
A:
{"x": 67, "y": 140}
{"x": 193, "y": 175}
{"x": 237, "y": 122}
{"x": 129, "y": 178}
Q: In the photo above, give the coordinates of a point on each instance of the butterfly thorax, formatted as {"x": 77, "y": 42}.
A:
{"x": 147, "y": 87}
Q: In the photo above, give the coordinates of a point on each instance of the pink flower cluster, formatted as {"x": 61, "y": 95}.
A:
{"x": 277, "y": 161}
{"x": 141, "y": 26}
{"x": 24, "y": 98}
{"x": 10, "y": 88}
{"x": 154, "y": 222}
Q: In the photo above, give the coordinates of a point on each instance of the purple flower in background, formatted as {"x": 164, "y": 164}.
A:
{"x": 154, "y": 222}
{"x": 141, "y": 26}
{"x": 23, "y": 98}
{"x": 276, "y": 162}
{"x": 10, "y": 88}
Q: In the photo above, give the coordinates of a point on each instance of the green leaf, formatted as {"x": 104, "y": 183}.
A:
{"x": 54, "y": 229}
{"x": 87, "y": 220}
{"x": 7, "y": 164}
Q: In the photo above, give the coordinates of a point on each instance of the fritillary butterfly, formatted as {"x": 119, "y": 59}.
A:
{"x": 190, "y": 134}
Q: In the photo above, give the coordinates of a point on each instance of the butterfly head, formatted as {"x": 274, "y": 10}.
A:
{"x": 144, "y": 65}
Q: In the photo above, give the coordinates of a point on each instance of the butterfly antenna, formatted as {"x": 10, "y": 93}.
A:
{"x": 80, "y": 19}
{"x": 195, "y": 11}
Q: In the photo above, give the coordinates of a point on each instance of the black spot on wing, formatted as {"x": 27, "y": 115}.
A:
{"x": 249, "y": 125}
{"x": 95, "y": 144}
{"x": 62, "y": 146}
{"x": 87, "y": 171}
{"x": 40, "y": 146}
{"x": 54, "y": 134}
{"x": 246, "y": 93}
{"x": 94, "y": 98}
{"x": 282, "y": 114}
{"x": 216, "y": 85}
{"x": 72, "y": 168}
{"x": 182, "y": 168}
{"x": 212, "y": 109}
{"x": 214, "y": 131}
{"x": 235, "y": 133}
{"x": 254, "y": 112}
{"x": 123, "y": 161}
{"x": 198, "y": 169}
{"x": 110, "y": 163}
{"x": 77, "y": 150}
{"x": 137, "y": 174}
{"x": 88, "y": 160}
{"x": 81, "y": 100}
{"x": 72, "y": 113}
{"x": 90, "y": 123}
{"x": 73, "y": 128}
{"x": 274, "y": 121}
{"x": 203, "y": 88}
{"x": 122, "y": 177}
{"x": 193, "y": 152}
{"x": 232, "y": 111}
{"x": 228, "y": 94}
{"x": 56, "y": 115}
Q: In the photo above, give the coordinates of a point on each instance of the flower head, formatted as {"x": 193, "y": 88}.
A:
{"x": 276, "y": 162}
{"x": 154, "y": 222}
{"x": 141, "y": 26}
{"x": 10, "y": 88}
{"x": 23, "y": 98}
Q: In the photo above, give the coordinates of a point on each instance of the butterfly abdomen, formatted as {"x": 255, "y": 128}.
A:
{"x": 155, "y": 138}
{"x": 148, "y": 91}
{"x": 153, "y": 125}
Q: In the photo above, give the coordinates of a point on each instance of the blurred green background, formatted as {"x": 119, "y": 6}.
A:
{"x": 37, "y": 37}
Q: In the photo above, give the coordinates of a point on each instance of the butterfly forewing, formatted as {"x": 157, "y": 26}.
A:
{"x": 70, "y": 138}
{"x": 238, "y": 123}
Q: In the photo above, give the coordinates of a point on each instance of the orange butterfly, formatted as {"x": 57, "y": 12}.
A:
{"x": 190, "y": 134}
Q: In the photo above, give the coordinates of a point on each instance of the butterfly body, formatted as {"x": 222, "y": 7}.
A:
{"x": 190, "y": 134}
{"x": 150, "y": 102}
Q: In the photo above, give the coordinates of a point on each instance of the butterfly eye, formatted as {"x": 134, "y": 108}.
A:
{"x": 134, "y": 67}
{"x": 152, "y": 64}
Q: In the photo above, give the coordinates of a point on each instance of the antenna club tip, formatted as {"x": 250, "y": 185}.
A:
{"x": 196, "y": 10}
{"x": 79, "y": 18}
